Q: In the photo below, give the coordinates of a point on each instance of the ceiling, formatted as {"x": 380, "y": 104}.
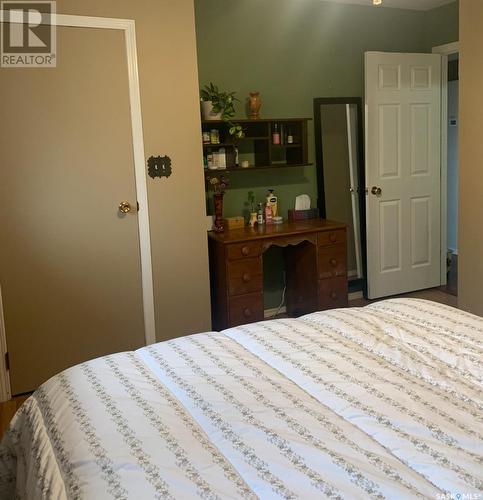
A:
{"x": 400, "y": 4}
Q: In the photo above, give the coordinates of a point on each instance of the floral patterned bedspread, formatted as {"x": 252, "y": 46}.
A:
{"x": 383, "y": 401}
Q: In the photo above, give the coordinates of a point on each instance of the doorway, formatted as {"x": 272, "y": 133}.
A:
{"x": 75, "y": 274}
{"x": 453, "y": 174}
{"x": 449, "y": 165}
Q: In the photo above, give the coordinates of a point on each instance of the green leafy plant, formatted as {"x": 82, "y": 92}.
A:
{"x": 251, "y": 201}
{"x": 224, "y": 103}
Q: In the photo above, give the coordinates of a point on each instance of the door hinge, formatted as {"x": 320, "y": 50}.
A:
{"x": 7, "y": 361}
{"x": 137, "y": 204}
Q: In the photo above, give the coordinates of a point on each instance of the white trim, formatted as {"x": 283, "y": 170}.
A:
{"x": 141, "y": 187}
{"x": 128, "y": 26}
{"x": 445, "y": 51}
{"x": 5, "y": 393}
{"x": 354, "y": 192}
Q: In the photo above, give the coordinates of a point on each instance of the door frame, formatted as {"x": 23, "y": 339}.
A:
{"x": 445, "y": 50}
{"x": 129, "y": 29}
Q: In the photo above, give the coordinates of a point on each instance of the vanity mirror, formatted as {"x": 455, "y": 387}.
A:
{"x": 340, "y": 175}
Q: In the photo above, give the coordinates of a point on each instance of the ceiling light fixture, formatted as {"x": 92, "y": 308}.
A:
{"x": 376, "y": 2}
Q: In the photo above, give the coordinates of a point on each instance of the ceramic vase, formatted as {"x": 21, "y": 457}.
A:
{"x": 207, "y": 111}
{"x": 218, "y": 201}
{"x": 255, "y": 103}
{"x": 253, "y": 219}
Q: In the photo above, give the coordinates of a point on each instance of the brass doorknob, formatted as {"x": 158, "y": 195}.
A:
{"x": 124, "y": 207}
{"x": 377, "y": 191}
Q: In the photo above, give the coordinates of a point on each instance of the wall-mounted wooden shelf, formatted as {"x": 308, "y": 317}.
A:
{"x": 209, "y": 171}
{"x": 257, "y": 145}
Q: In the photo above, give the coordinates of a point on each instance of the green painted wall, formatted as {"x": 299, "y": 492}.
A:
{"x": 442, "y": 25}
{"x": 293, "y": 51}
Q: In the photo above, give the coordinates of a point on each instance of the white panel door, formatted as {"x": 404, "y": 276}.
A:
{"x": 403, "y": 134}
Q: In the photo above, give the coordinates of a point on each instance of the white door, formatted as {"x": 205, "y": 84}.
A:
{"x": 403, "y": 135}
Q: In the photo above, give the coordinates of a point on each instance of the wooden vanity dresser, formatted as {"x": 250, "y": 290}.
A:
{"x": 315, "y": 263}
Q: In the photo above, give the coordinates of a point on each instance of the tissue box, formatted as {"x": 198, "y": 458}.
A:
{"x": 311, "y": 213}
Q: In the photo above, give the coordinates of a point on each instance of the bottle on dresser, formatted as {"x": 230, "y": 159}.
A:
{"x": 272, "y": 201}
{"x": 260, "y": 218}
{"x": 276, "y": 135}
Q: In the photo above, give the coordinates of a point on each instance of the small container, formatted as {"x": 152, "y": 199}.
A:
{"x": 260, "y": 220}
{"x": 210, "y": 162}
{"x": 235, "y": 150}
{"x": 221, "y": 158}
{"x": 289, "y": 137}
{"x": 278, "y": 220}
{"x": 215, "y": 159}
{"x": 206, "y": 137}
{"x": 268, "y": 214}
{"x": 276, "y": 135}
{"x": 214, "y": 136}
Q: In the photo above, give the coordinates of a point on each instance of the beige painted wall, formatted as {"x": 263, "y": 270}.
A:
{"x": 169, "y": 97}
{"x": 470, "y": 238}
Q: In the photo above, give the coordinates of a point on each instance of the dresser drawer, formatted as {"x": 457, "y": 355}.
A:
{"x": 326, "y": 238}
{"x": 244, "y": 276}
{"x": 245, "y": 309}
{"x": 333, "y": 293}
{"x": 332, "y": 261}
{"x": 243, "y": 250}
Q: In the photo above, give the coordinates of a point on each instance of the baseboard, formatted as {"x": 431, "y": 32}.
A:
{"x": 268, "y": 313}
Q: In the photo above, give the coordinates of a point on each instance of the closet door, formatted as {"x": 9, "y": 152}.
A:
{"x": 70, "y": 271}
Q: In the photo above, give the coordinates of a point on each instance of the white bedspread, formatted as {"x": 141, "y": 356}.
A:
{"x": 377, "y": 402}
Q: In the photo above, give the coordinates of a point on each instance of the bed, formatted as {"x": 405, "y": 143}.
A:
{"x": 383, "y": 401}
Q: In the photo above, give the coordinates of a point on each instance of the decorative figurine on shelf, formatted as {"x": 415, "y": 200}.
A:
{"x": 255, "y": 103}
{"x": 219, "y": 185}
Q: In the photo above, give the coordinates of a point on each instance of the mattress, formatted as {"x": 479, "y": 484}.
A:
{"x": 383, "y": 401}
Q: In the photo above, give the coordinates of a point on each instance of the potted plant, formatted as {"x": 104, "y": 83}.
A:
{"x": 219, "y": 105}
{"x": 253, "y": 214}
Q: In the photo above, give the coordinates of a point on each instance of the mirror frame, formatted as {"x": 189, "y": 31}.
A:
{"x": 360, "y": 283}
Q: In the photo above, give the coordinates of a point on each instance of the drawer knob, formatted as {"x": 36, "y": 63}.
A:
{"x": 333, "y": 237}
{"x": 333, "y": 262}
{"x": 245, "y": 250}
{"x": 246, "y": 277}
{"x": 247, "y": 312}
{"x": 333, "y": 295}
